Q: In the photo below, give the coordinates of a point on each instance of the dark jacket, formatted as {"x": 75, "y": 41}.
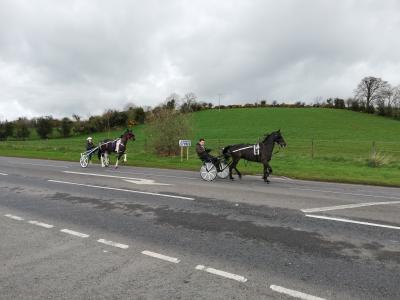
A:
{"x": 89, "y": 145}
{"x": 201, "y": 151}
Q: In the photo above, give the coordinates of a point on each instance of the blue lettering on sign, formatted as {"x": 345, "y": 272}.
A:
{"x": 185, "y": 143}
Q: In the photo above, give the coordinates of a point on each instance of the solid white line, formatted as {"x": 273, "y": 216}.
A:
{"x": 352, "y": 221}
{"x": 14, "y": 217}
{"x": 40, "y": 165}
{"x": 111, "y": 243}
{"x": 294, "y": 293}
{"x": 337, "y": 207}
{"x": 41, "y": 224}
{"x": 221, "y": 273}
{"x": 4, "y": 174}
{"x": 161, "y": 256}
{"x": 123, "y": 190}
{"x": 71, "y": 232}
{"x": 344, "y": 193}
{"x": 133, "y": 180}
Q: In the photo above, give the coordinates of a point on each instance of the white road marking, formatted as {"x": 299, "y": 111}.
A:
{"x": 111, "y": 243}
{"x": 346, "y": 206}
{"x": 294, "y": 293}
{"x": 123, "y": 190}
{"x": 41, "y": 224}
{"x": 75, "y": 233}
{"x": 344, "y": 193}
{"x": 14, "y": 217}
{"x": 221, "y": 273}
{"x": 40, "y": 165}
{"x": 144, "y": 181}
{"x": 4, "y": 174}
{"x": 161, "y": 256}
{"x": 140, "y": 181}
{"x": 353, "y": 221}
{"x": 155, "y": 175}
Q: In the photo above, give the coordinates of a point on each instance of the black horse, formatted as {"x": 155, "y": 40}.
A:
{"x": 261, "y": 153}
{"x": 107, "y": 147}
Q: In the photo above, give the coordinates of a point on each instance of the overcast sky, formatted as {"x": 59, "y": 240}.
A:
{"x": 64, "y": 57}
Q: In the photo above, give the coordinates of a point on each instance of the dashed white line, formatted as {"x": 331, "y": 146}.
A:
{"x": 294, "y": 293}
{"x": 14, "y": 217}
{"x": 221, "y": 273}
{"x": 41, "y": 224}
{"x": 353, "y": 221}
{"x": 123, "y": 190}
{"x": 4, "y": 174}
{"x": 344, "y": 193}
{"x": 111, "y": 243}
{"x": 161, "y": 256}
{"x": 346, "y": 206}
{"x": 75, "y": 233}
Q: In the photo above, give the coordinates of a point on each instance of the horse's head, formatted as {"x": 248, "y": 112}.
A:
{"x": 276, "y": 137}
{"x": 129, "y": 135}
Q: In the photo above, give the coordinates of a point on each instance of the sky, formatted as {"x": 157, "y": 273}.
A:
{"x": 83, "y": 57}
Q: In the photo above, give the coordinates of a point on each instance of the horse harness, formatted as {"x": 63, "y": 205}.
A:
{"x": 256, "y": 149}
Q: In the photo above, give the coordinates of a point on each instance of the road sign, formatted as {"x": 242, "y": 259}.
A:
{"x": 185, "y": 143}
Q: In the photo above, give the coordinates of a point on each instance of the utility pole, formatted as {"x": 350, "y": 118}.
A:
{"x": 219, "y": 102}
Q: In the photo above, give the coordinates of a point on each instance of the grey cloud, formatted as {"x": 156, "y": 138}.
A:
{"x": 83, "y": 57}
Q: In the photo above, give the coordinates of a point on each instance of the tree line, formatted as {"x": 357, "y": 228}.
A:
{"x": 372, "y": 95}
{"x": 46, "y": 126}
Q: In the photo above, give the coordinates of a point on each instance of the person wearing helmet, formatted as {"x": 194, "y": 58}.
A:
{"x": 89, "y": 146}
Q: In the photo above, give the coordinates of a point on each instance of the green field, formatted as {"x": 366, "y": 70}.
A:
{"x": 323, "y": 144}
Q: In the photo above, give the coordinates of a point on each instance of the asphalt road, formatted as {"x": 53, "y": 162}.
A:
{"x": 141, "y": 233}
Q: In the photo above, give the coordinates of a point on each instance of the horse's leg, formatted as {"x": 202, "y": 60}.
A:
{"x": 267, "y": 167}
{"x": 237, "y": 171}
{"x": 118, "y": 157}
{"x": 230, "y": 169}
{"x": 107, "y": 159}
{"x": 233, "y": 166}
{"x": 102, "y": 160}
{"x": 125, "y": 160}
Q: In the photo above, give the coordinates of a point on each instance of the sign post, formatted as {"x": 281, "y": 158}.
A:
{"x": 185, "y": 144}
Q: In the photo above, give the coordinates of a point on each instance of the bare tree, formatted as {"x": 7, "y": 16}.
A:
{"x": 189, "y": 103}
{"x": 171, "y": 102}
{"x": 396, "y": 96}
{"x": 369, "y": 90}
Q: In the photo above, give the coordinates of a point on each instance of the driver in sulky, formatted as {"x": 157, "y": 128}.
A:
{"x": 204, "y": 154}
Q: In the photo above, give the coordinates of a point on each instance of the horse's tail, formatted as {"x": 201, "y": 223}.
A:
{"x": 99, "y": 152}
{"x": 226, "y": 152}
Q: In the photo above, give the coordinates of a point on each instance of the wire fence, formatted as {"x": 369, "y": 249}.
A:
{"x": 316, "y": 148}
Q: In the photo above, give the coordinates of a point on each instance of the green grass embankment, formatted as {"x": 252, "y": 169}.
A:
{"x": 323, "y": 144}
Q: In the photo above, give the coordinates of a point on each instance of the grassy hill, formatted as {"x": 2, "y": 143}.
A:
{"x": 323, "y": 144}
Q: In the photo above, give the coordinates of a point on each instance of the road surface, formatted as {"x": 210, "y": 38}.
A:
{"x": 142, "y": 233}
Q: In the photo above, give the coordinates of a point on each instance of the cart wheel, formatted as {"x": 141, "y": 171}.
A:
{"x": 225, "y": 170}
{"x": 208, "y": 171}
{"x": 84, "y": 161}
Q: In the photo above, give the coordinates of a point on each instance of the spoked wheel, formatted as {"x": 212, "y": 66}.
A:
{"x": 208, "y": 171}
{"x": 84, "y": 161}
{"x": 225, "y": 170}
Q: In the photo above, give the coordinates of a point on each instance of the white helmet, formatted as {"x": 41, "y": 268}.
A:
{"x": 89, "y": 138}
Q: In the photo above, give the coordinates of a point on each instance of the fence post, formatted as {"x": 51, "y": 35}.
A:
{"x": 373, "y": 149}
{"x": 312, "y": 148}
